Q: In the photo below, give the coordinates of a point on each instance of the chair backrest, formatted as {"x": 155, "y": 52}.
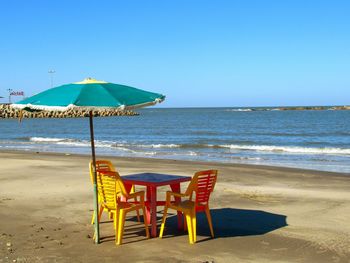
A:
{"x": 202, "y": 184}
{"x": 106, "y": 185}
{"x": 113, "y": 182}
{"x": 101, "y": 165}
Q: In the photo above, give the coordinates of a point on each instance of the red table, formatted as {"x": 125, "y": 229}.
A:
{"x": 152, "y": 181}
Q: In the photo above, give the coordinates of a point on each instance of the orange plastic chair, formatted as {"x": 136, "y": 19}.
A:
{"x": 102, "y": 166}
{"x": 114, "y": 198}
{"x": 202, "y": 185}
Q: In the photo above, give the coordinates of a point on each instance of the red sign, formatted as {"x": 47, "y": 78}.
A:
{"x": 17, "y": 93}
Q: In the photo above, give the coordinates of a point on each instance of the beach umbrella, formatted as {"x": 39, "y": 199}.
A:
{"x": 90, "y": 94}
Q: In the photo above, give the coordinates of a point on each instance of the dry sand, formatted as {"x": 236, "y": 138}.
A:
{"x": 260, "y": 214}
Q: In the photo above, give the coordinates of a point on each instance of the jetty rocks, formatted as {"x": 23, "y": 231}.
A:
{"x": 7, "y": 112}
{"x": 298, "y": 108}
{"x": 316, "y": 108}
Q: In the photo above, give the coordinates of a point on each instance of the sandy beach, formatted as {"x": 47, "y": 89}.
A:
{"x": 260, "y": 214}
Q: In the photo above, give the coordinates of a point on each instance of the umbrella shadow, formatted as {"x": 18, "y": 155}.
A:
{"x": 231, "y": 222}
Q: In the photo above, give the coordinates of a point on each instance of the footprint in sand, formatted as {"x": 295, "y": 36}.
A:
{"x": 254, "y": 195}
{"x": 3, "y": 200}
{"x": 280, "y": 249}
{"x": 265, "y": 243}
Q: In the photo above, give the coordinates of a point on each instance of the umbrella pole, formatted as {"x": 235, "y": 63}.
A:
{"x": 96, "y": 223}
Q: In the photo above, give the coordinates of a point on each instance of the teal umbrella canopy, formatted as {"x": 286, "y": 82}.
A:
{"x": 90, "y": 94}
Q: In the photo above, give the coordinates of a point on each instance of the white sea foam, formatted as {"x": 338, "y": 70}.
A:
{"x": 86, "y": 143}
{"x": 289, "y": 149}
{"x": 75, "y": 143}
{"x": 69, "y": 142}
{"x": 163, "y": 145}
{"x": 45, "y": 139}
{"x": 171, "y": 145}
{"x": 149, "y": 153}
{"x": 81, "y": 143}
{"x": 251, "y": 158}
{"x": 239, "y": 110}
{"x": 128, "y": 147}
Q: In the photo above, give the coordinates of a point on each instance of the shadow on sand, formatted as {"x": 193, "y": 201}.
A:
{"x": 227, "y": 222}
{"x": 231, "y": 222}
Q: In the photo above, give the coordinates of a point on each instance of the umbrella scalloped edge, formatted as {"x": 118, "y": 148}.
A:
{"x": 72, "y": 106}
{"x": 10, "y": 112}
{"x": 60, "y": 108}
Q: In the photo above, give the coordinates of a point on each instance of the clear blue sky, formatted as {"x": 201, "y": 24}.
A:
{"x": 197, "y": 53}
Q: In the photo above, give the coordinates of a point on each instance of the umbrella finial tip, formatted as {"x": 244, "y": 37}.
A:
{"x": 90, "y": 80}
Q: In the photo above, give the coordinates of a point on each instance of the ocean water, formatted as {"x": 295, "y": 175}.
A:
{"x": 318, "y": 140}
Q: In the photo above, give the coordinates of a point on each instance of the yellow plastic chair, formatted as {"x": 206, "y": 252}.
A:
{"x": 114, "y": 198}
{"x": 101, "y": 166}
{"x": 201, "y": 185}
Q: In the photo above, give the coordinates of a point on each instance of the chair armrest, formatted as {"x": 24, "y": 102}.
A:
{"x": 140, "y": 194}
{"x": 169, "y": 194}
{"x": 175, "y": 194}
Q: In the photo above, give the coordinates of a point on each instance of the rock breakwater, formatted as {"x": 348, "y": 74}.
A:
{"x": 316, "y": 108}
{"x": 7, "y": 112}
{"x": 297, "y": 108}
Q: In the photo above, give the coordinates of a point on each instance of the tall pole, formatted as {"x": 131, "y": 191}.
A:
{"x": 51, "y": 72}
{"x": 9, "y": 90}
{"x": 97, "y": 228}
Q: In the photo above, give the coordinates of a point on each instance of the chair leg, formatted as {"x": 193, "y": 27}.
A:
{"x": 100, "y": 213}
{"x": 145, "y": 221}
{"x": 137, "y": 213}
{"x": 93, "y": 218}
{"x": 121, "y": 221}
{"x": 194, "y": 226}
{"x": 115, "y": 219}
{"x": 189, "y": 226}
{"x": 185, "y": 222}
{"x": 163, "y": 222}
{"x": 207, "y": 212}
{"x": 115, "y": 223}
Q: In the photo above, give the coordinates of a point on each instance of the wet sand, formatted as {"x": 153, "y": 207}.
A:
{"x": 260, "y": 214}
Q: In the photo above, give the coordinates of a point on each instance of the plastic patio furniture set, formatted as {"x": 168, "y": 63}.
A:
{"x": 117, "y": 197}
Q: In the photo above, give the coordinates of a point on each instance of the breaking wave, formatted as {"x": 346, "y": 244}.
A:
{"x": 193, "y": 146}
{"x": 289, "y": 149}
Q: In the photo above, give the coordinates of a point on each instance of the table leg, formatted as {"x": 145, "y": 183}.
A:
{"x": 128, "y": 188}
{"x": 153, "y": 211}
{"x": 176, "y": 188}
{"x": 148, "y": 205}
